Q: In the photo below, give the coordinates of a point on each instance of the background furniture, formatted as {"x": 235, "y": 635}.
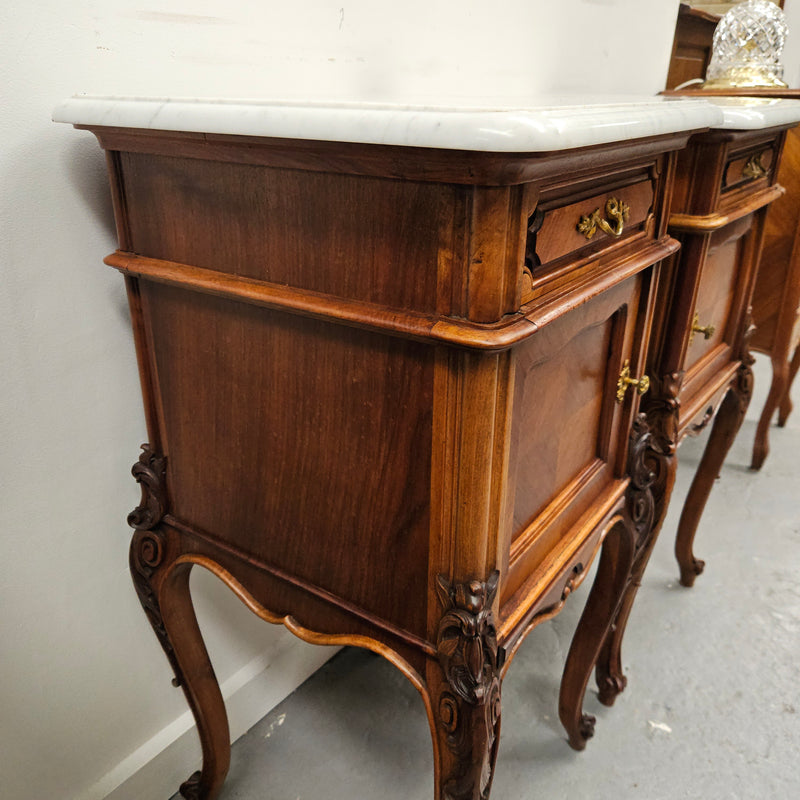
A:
{"x": 691, "y": 47}
{"x": 776, "y": 297}
{"x": 726, "y": 181}
{"x": 354, "y": 359}
{"x": 698, "y": 362}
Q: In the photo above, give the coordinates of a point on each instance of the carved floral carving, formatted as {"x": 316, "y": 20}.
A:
{"x": 640, "y": 500}
{"x": 467, "y": 641}
{"x": 149, "y": 472}
{"x": 471, "y": 661}
{"x": 743, "y": 383}
{"x": 662, "y": 408}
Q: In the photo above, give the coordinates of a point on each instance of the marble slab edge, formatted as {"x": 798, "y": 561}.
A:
{"x": 539, "y": 126}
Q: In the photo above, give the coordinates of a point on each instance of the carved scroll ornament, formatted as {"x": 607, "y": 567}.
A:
{"x": 149, "y": 544}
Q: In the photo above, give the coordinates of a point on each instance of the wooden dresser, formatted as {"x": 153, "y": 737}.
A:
{"x": 394, "y": 383}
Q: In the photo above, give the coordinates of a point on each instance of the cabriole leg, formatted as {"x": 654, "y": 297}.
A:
{"x": 166, "y": 599}
{"x": 598, "y": 616}
{"x": 466, "y": 737}
{"x": 163, "y": 590}
{"x": 777, "y": 393}
{"x": 723, "y": 432}
{"x": 786, "y": 404}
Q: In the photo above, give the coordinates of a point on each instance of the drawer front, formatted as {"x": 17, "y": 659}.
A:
{"x": 749, "y": 167}
{"x": 569, "y": 430}
{"x": 587, "y": 221}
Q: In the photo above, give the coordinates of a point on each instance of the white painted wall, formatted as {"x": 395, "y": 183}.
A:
{"x": 85, "y": 695}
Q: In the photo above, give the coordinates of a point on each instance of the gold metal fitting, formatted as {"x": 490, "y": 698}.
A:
{"x": 642, "y": 384}
{"x": 707, "y": 330}
{"x": 754, "y": 168}
{"x": 615, "y": 210}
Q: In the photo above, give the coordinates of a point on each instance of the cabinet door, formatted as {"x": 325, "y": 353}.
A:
{"x": 717, "y": 314}
{"x": 569, "y": 430}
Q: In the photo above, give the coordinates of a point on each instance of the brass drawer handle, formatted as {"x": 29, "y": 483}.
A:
{"x": 707, "y": 330}
{"x": 616, "y": 211}
{"x": 642, "y": 384}
{"x": 754, "y": 168}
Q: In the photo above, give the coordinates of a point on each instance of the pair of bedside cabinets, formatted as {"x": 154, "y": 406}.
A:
{"x": 407, "y": 371}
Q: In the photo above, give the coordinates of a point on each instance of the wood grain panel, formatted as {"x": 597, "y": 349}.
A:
{"x": 778, "y": 277}
{"x": 717, "y": 289}
{"x": 337, "y": 234}
{"x": 324, "y": 430}
{"x": 568, "y": 433}
{"x": 559, "y": 400}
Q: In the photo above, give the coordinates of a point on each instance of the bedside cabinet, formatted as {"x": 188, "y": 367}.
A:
{"x": 393, "y": 363}
{"x": 698, "y": 362}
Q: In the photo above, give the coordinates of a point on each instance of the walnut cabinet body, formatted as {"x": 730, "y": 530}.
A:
{"x": 395, "y": 399}
{"x": 726, "y": 181}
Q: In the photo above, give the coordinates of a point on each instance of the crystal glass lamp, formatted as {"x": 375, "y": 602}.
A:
{"x": 747, "y": 47}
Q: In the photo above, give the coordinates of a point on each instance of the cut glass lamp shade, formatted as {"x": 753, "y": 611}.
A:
{"x": 747, "y": 47}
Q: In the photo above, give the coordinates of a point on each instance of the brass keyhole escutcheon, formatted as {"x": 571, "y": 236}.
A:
{"x": 642, "y": 384}
{"x": 707, "y": 330}
{"x": 615, "y": 210}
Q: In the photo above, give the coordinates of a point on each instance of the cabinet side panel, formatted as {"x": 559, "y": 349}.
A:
{"x": 342, "y": 235}
{"x": 304, "y": 444}
{"x": 779, "y": 272}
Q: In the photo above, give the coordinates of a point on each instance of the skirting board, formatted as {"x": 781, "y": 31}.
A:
{"x": 161, "y": 764}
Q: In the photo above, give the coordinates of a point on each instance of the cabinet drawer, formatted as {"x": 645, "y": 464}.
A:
{"x": 749, "y": 167}
{"x": 587, "y": 221}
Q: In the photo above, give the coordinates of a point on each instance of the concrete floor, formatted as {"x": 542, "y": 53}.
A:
{"x": 712, "y": 708}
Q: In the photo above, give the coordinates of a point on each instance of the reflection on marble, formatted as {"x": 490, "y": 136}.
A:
{"x": 539, "y": 124}
{"x": 755, "y": 113}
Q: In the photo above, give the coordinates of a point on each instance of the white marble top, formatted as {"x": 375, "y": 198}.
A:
{"x": 534, "y": 125}
{"x": 755, "y": 113}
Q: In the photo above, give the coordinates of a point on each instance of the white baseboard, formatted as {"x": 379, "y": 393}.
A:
{"x": 160, "y": 765}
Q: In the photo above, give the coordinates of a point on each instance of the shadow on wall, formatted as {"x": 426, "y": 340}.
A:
{"x": 86, "y": 168}
{"x": 88, "y": 177}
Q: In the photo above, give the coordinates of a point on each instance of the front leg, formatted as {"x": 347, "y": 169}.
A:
{"x": 652, "y": 480}
{"x": 464, "y": 690}
{"x": 778, "y": 390}
{"x": 785, "y": 407}
{"x": 163, "y": 590}
{"x": 598, "y": 616}
{"x": 598, "y": 639}
{"x": 723, "y": 432}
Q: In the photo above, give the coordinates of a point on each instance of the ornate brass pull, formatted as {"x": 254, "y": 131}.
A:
{"x": 642, "y": 384}
{"x": 616, "y": 211}
{"x": 754, "y": 168}
{"x": 707, "y": 330}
